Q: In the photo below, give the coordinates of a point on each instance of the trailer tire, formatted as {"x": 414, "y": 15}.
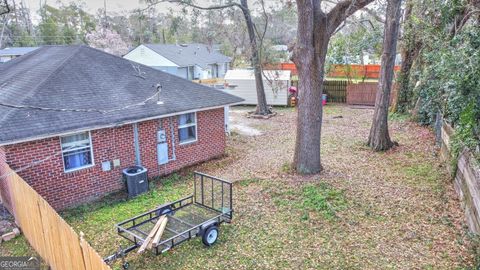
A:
{"x": 210, "y": 235}
{"x": 164, "y": 211}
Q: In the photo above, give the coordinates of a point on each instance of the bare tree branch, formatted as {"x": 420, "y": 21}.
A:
{"x": 5, "y": 7}
{"x": 374, "y": 14}
{"x": 458, "y": 25}
{"x": 343, "y": 10}
{"x": 253, "y": 33}
{"x": 192, "y": 4}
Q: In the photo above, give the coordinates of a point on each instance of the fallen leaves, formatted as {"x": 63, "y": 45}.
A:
{"x": 398, "y": 209}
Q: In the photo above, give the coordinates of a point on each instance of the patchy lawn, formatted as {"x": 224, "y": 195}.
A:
{"x": 366, "y": 210}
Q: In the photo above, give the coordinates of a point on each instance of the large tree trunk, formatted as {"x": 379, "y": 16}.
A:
{"x": 315, "y": 29}
{"x": 379, "y": 138}
{"x": 309, "y": 57}
{"x": 403, "y": 94}
{"x": 262, "y": 107}
{"x": 310, "y": 110}
{"x": 409, "y": 50}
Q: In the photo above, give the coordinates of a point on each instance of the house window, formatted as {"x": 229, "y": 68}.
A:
{"x": 187, "y": 128}
{"x": 77, "y": 151}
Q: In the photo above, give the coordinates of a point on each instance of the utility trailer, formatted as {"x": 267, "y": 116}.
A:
{"x": 199, "y": 214}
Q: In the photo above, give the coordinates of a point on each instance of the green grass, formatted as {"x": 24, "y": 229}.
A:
{"x": 287, "y": 167}
{"x": 324, "y": 199}
{"x": 401, "y": 117}
{"x": 321, "y": 198}
{"x": 424, "y": 174}
{"x": 117, "y": 207}
{"x": 247, "y": 182}
{"x": 17, "y": 247}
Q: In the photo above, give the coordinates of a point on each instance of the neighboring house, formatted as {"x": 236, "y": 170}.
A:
{"x": 72, "y": 117}
{"x": 189, "y": 61}
{"x": 241, "y": 83}
{"x": 10, "y": 53}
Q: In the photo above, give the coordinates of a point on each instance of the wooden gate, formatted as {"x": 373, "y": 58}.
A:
{"x": 336, "y": 90}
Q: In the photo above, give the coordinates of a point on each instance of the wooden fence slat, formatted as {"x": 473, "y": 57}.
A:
{"x": 336, "y": 90}
{"x": 92, "y": 260}
{"x": 363, "y": 93}
{"x": 47, "y": 232}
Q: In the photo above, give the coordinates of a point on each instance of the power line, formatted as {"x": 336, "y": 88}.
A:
{"x": 16, "y": 106}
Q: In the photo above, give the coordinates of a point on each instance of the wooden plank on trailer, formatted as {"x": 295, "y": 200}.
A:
{"x": 151, "y": 235}
{"x": 159, "y": 233}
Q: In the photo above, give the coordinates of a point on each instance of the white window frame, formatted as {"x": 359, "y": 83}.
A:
{"x": 74, "y": 149}
{"x": 186, "y": 126}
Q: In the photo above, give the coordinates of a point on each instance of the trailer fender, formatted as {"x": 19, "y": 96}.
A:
{"x": 164, "y": 210}
{"x": 205, "y": 226}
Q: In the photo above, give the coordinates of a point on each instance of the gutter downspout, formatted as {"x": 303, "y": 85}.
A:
{"x": 174, "y": 156}
{"x": 136, "y": 143}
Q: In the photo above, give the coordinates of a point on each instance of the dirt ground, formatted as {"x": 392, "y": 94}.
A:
{"x": 366, "y": 210}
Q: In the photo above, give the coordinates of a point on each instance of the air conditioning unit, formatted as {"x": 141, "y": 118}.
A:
{"x": 136, "y": 180}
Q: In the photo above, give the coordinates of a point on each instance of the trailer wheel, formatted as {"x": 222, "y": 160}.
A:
{"x": 210, "y": 236}
{"x": 165, "y": 211}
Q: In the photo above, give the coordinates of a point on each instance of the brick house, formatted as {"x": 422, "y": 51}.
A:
{"x": 73, "y": 117}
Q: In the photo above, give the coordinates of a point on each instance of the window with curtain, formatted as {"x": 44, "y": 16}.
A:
{"x": 77, "y": 151}
{"x": 187, "y": 128}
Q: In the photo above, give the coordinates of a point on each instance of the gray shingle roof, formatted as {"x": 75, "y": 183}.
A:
{"x": 17, "y": 51}
{"x": 189, "y": 54}
{"x": 80, "y": 77}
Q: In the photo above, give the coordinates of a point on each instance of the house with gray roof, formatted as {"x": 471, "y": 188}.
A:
{"x": 10, "y": 53}
{"x": 190, "y": 61}
{"x": 73, "y": 117}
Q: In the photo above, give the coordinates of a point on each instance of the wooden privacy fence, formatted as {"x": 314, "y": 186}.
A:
{"x": 362, "y": 94}
{"x": 54, "y": 240}
{"x": 365, "y": 93}
{"x": 336, "y": 90}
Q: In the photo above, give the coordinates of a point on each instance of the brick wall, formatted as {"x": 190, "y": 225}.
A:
{"x": 64, "y": 190}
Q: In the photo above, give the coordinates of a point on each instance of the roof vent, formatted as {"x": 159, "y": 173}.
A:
{"x": 159, "y": 90}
